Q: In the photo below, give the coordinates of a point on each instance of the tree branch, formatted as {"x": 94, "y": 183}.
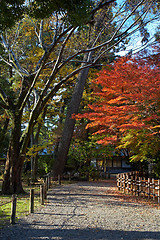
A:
{"x": 16, "y": 64}
{"x": 4, "y": 104}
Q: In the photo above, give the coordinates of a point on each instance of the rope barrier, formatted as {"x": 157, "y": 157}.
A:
{"x": 5, "y": 203}
{"x": 18, "y": 199}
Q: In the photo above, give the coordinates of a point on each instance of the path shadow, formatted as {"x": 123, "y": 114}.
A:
{"x": 78, "y": 234}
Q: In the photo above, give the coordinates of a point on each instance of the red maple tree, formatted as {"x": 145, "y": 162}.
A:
{"x": 127, "y": 97}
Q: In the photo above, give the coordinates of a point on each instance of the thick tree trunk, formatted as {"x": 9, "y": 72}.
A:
{"x": 12, "y": 175}
{"x": 69, "y": 124}
{"x": 14, "y": 162}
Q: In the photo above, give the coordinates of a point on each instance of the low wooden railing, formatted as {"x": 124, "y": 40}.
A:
{"x": 44, "y": 187}
{"x": 132, "y": 183}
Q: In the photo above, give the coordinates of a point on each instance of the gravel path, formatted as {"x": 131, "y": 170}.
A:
{"x": 88, "y": 210}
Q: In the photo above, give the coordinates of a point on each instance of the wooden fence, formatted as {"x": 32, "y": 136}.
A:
{"x": 132, "y": 183}
{"x": 43, "y": 195}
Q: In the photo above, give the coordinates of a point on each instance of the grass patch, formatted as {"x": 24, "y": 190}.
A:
{"x": 22, "y": 207}
{"x": 5, "y": 215}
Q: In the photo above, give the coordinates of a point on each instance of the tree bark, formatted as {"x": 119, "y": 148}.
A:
{"x": 69, "y": 124}
{"x": 14, "y": 163}
{"x": 13, "y": 170}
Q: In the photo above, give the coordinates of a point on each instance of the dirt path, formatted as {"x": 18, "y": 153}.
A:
{"x": 88, "y": 210}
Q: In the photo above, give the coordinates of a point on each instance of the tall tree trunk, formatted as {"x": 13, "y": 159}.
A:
{"x": 13, "y": 170}
{"x": 73, "y": 107}
{"x": 69, "y": 124}
{"x": 14, "y": 162}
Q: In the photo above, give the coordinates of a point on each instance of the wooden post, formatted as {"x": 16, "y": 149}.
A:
{"x": 49, "y": 180}
{"x": 45, "y": 190}
{"x": 144, "y": 187}
{"x": 127, "y": 179}
{"x": 118, "y": 182}
{"x": 124, "y": 182}
{"x": 153, "y": 189}
{"x": 132, "y": 184}
{"x": 138, "y": 182}
{"x": 59, "y": 179}
{"x": 149, "y": 181}
{"x": 46, "y": 182}
{"x": 136, "y": 185}
{"x": 13, "y": 209}
{"x": 158, "y": 194}
{"x": 31, "y": 208}
{"x": 121, "y": 179}
{"x": 42, "y": 194}
{"x": 140, "y": 186}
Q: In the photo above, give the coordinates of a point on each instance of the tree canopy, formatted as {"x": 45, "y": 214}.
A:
{"x": 74, "y": 11}
{"x": 127, "y": 98}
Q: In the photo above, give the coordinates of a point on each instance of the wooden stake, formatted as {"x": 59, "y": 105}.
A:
{"x": 31, "y": 208}
{"x": 153, "y": 187}
{"x": 42, "y": 194}
{"x": 132, "y": 185}
{"x": 149, "y": 181}
{"x": 13, "y": 209}
{"x": 158, "y": 191}
{"x": 45, "y": 190}
{"x": 49, "y": 180}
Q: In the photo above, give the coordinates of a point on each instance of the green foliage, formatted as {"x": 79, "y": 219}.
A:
{"x": 83, "y": 153}
{"x": 142, "y": 147}
{"x": 45, "y": 163}
{"x": 10, "y": 12}
{"x": 75, "y": 12}
{"x": 156, "y": 167}
{"x": 80, "y": 155}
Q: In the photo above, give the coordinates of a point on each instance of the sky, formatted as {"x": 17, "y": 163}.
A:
{"x": 135, "y": 43}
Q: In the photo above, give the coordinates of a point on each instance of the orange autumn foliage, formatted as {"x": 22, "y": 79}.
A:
{"x": 127, "y": 97}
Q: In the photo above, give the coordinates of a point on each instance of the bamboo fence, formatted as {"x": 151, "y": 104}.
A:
{"x": 131, "y": 182}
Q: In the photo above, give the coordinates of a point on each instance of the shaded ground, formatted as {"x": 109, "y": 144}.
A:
{"x": 89, "y": 210}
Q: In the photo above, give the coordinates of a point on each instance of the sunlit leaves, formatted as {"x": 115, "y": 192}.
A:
{"x": 128, "y": 98}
